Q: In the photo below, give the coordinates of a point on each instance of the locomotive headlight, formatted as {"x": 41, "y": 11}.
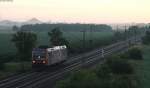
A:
{"x": 33, "y": 62}
{"x": 44, "y": 62}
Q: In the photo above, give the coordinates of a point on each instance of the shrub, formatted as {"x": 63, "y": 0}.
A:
{"x": 81, "y": 79}
{"x": 135, "y": 53}
{"x": 119, "y": 66}
{"x": 103, "y": 71}
{"x": 124, "y": 81}
{"x": 114, "y": 73}
{"x": 124, "y": 55}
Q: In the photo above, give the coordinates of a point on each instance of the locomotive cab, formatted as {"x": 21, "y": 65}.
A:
{"x": 38, "y": 57}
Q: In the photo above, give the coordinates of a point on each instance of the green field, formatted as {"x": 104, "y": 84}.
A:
{"x": 16, "y": 66}
{"x": 75, "y": 39}
{"x": 12, "y": 68}
{"x": 6, "y": 46}
{"x": 144, "y": 68}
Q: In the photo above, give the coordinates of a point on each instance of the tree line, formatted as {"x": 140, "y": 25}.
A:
{"x": 64, "y": 27}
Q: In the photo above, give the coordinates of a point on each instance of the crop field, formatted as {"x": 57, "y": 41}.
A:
{"x": 75, "y": 39}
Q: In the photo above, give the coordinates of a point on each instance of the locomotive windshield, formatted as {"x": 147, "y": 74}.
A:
{"x": 39, "y": 54}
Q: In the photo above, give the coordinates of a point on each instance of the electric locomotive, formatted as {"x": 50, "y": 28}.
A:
{"x": 49, "y": 56}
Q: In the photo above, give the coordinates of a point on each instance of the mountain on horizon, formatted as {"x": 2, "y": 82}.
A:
{"x": 9, "y": 23}
{"x": 33, "y": 21}
{"x": 12, "y": 23}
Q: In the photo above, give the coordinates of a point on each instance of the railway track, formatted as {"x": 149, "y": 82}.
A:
{"x": 37, "y": 79}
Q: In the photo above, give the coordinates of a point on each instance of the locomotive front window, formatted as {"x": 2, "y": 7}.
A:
{"x": 39, "y": 55}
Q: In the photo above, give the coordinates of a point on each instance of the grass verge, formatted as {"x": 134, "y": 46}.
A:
{"x": 12, "y": 68}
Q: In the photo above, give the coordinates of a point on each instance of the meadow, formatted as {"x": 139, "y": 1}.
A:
{"x": 144, "y": 68}
{"x": 75, "y": 39}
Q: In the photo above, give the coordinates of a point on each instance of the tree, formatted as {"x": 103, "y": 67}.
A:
{"x": 146, "y": 38}
{"x": 117, "y": 35}
{"x": 15, "y": 28}
{"x": 56, "y": 37}
{"x": 133, "y": 30}
{"x": 24, "y": 42}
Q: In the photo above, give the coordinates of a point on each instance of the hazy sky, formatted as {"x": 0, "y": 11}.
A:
{"x": 88, "y": 11}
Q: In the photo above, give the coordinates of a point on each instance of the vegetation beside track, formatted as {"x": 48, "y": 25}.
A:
{"x": 143, "y": 68}
{"x": 12, "y": 68}
{"x": 118, "y": 71}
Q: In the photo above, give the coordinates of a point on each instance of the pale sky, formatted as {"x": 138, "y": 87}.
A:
{"x": 85, "y": 11}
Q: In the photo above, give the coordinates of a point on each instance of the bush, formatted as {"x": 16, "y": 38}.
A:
{"x": 124, "y": 55}
{"x": 81, "y": 79}
{"x": 124, "y": 81}
{"x": 119, "y": 66}
{"x": 103, "y": 71}
{"x": 135, "y": 53}
{"x": 114, "y": 73}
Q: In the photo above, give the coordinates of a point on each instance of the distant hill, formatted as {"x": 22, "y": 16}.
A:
{"x": 11, "y": 23}
{"x": 8, "y": 23}
{"x": 33, "y": 21}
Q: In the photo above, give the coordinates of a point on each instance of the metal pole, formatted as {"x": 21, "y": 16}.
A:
{"x": 102, "y": 51}
{"x": 135, "y": 34}
{"x": 91, "y": 36}
{"x": 23, "y": 52}
{"x": 126, "y": 33}
{"x": 83, "y": 47}
{"x": 83, "y": 40}
{"x": 118, "y": 35}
